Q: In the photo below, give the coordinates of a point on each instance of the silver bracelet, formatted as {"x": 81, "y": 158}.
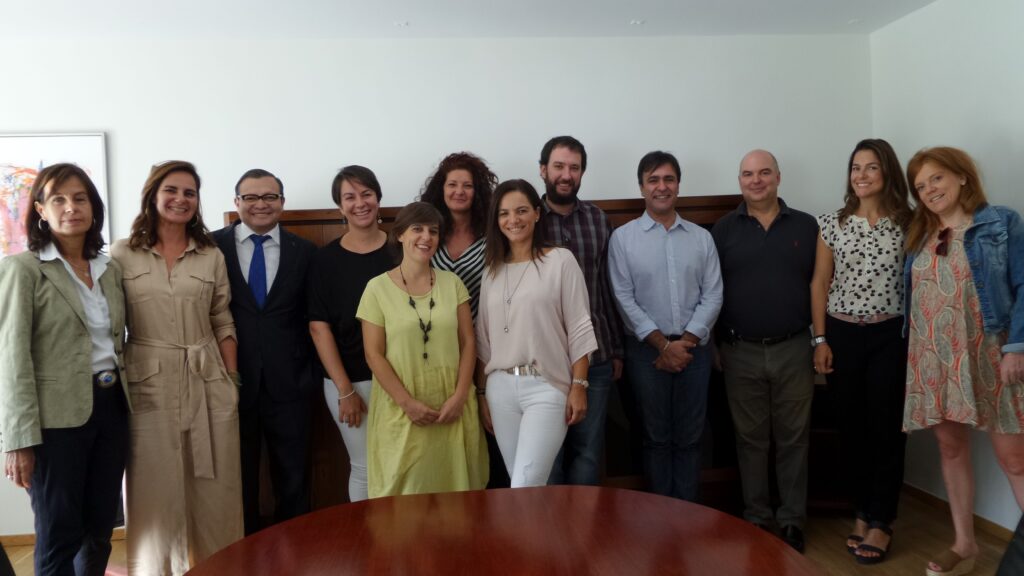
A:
{"x": 340, "y": 398}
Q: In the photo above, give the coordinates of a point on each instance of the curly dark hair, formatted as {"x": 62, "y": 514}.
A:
{"x": 144, "y": 227}
{"x": 484, "y": 182}
{"x": 51, "y": 177}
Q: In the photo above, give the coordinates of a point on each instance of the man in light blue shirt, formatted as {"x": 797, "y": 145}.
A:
{"x": 668, "y": 285}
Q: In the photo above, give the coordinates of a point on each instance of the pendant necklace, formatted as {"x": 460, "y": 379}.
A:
{"x": 508, "y": 296}
{"x": 83, "y": 271}
{"x": 425, "y": 327}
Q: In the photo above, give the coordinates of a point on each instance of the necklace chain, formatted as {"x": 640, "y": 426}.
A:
{"x": 427, "y": 326}
{"x": 508, "y": 297}
{"x": 82, "y": 271}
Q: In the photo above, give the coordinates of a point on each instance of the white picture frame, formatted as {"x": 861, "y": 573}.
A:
{"x": 21, "y": 158}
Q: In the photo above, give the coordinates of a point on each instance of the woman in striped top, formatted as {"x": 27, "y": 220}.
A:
{"x": 461, "y": 189}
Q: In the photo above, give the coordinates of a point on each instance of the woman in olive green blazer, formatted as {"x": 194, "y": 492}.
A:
{"x": 63, "y": 407}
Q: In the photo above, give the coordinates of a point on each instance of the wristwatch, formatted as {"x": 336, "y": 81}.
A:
{"x": 582, "y": 382}
{"x": 817, "y": 340}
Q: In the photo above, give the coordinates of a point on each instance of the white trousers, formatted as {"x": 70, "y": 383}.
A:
{"x": 354, "y": 438}
{"x": 528, "y": 416}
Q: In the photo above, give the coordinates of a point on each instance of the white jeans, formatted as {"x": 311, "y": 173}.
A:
{"x": 354, "y": 438}
{"x": 528, "y": 416}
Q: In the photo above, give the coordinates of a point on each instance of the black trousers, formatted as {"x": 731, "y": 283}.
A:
{"x": 869, "y": 378}
{"x": 76, "y": 486}
{"x": 1012, "y": 563}
{"x": 285, "y": 428}
{"x": 5, "y": 563}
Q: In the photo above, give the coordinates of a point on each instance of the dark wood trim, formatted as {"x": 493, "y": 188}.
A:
{"x": 321, "y": 225}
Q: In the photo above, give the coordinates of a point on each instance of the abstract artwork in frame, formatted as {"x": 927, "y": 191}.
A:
{"x": 22, "y": 156}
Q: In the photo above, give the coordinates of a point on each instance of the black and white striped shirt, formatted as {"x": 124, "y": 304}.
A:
{"x": 469, "y": 267}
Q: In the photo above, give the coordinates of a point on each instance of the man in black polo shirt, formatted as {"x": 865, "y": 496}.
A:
{"x": 766, "y": 251}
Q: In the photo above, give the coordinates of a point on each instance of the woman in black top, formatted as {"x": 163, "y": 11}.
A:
{"x": 338, "y": 274}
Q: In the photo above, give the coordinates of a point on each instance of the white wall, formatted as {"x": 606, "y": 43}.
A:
{"x": 303, "y": 109}
{"x": 951, "y": 74}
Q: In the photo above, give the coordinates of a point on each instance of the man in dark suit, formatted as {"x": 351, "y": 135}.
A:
{"x": 267, "y": 269}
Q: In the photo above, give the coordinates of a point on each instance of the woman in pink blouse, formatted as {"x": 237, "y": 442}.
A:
{"x": 534, "y": 337}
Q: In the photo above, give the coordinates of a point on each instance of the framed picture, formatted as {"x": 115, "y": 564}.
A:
{"x": 22, "y": 156}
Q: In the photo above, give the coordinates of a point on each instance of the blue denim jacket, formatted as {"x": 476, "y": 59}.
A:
{"x": 994, "y": 244}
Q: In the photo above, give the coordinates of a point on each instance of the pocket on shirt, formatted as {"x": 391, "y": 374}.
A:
{"x": 137, "y": 285}
{"x": 994, "y": 249}
{"x": 143, "y": 387}
{"x": 201, "y": 289}
{"x": 51, "y": 394}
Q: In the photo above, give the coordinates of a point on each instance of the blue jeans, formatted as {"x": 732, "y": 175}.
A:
{"x": 672, "y": 409}
{"x": 579, "y": 460}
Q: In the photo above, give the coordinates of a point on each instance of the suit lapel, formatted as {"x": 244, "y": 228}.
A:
{"x": 285, "y": 267}
{"x": 57, "y": 275}
{"x": 230, "y": 249}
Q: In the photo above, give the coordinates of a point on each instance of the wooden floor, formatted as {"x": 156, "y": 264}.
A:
{"x": 921, "y": 531}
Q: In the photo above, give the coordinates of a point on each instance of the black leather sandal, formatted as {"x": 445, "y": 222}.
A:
{"x": 867, "y": 560}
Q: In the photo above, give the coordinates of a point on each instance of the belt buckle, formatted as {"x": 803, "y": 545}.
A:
{"x": 106, "y": 378}
{"x": 522, "y": 370}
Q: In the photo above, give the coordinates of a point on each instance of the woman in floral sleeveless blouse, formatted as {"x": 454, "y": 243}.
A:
{"x": 964, "y": 276}
{"x": 857, "y": 309}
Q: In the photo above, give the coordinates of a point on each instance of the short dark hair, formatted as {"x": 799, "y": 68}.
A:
{"x": 413, "y": 213}
{"x": 484, "y": 182}
{"x": 259, "y": 173}
{"x": 564, "y": 142}
{"x": 51, "y": 177}
{"x": 654, "y": 160}
{"x": 354, "y": 173}
{"x": 498, "y": 248}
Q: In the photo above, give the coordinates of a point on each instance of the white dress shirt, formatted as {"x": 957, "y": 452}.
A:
{"x": 271, "y": 251}
{"x": 97, "y": 311}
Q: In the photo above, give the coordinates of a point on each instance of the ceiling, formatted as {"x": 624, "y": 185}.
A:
{"x": 443, "y": 18}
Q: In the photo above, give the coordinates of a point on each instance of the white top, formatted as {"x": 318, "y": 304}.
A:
{"x": 868, "y": 265}
{"x": 97, "y": 311}
{"x": 271, "y": 251}
{"x": 545, "y": 306}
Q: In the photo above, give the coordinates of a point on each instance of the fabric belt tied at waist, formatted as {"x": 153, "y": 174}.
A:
{"x": 198, "y": 420}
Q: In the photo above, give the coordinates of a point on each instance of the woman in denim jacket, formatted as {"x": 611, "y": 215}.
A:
{"x": 964, "y": 277}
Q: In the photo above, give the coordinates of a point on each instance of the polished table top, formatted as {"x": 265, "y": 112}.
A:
{"x": 550, "y": 530}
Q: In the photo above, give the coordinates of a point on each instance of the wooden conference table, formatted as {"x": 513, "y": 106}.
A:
{"x": 549, "y": 530}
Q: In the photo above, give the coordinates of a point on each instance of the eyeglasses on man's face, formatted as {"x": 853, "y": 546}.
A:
{"x": 254, "y": 198}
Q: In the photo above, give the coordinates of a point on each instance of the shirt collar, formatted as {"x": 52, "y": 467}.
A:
{"x": 783, "y": 208}
{"x": 646, "y": 222}
{"x": 242, "y": 233}
{"x": 97, "y": 265}
{"x": 883, "y": 222}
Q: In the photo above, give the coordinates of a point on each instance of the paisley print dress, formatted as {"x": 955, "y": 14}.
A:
{"x": 953, "y": 365}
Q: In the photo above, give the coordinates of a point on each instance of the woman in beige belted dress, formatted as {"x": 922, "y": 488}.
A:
{"x": 184, "y": 493}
